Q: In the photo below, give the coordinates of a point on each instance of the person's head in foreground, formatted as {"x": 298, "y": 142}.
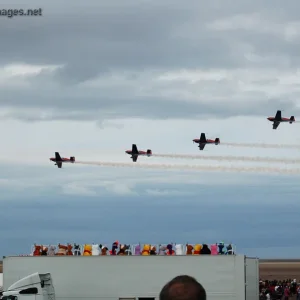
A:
{"x": 183, "y": 287}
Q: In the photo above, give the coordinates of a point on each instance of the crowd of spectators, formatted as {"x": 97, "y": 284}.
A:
{"x": 279, "y": 289}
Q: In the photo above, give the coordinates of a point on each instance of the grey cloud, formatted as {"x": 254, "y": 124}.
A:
{"x": 100, "y": 34}
{"x": 137, "y": 35}
{"x": 87, "y": 107}
{"x": 110, "y": 36}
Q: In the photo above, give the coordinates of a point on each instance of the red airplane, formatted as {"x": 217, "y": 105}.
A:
{"x": 278, "y": 119}
{"x": 59, "y": 160}
{"x": 203, "y": 141}
{"x": 135, "y": 153}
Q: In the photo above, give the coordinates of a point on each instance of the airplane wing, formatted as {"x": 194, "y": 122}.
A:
{"x": 134, "y": 158}
{"x": 201, "y": 146}
{"x": 134, "y": 149}
{"x": 57, "y": 156}
{"x": 275, "y": 125}
{"x": 202, "y": 138}
{"x": 278, "y": 115}
{"x": 59, "y": 164}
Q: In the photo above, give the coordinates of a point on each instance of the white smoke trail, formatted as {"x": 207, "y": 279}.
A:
{"x": 231, "y": 158}
{"x": 194, "y": 168}
{"x": 257, "y": 145}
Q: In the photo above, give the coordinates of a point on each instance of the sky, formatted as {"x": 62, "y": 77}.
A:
{"x": 90, "y": 79}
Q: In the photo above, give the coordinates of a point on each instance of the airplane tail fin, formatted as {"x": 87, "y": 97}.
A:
{"x": 292, "y": 119}
{"x": 217, "y": 141}
{"x": 72, "y": 158}
{"x": 149, "y": 152}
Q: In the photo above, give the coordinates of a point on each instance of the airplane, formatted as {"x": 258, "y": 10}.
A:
{"x": 278, "y": 119}
{"x": 203, "y": 141}
{"x": 59, "y": 160}
{"x": 135, "y": 152}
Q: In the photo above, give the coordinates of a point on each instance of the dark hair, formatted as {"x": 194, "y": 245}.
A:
{"x": 183, "y": 287}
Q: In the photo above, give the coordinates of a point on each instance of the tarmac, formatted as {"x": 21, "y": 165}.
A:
{"x": 269, "y": 269}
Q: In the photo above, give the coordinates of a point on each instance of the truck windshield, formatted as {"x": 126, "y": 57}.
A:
{"x": 11, "y": 297}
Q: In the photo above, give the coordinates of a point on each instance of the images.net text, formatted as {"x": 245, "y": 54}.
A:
{"x": 9, "y": 13}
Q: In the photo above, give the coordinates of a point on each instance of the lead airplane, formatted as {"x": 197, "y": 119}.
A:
{"x": 278, "y": 119}
{"x": 60, "y": 160}
{"x": 203, "y": 141}
{"x": 135, "y": 152}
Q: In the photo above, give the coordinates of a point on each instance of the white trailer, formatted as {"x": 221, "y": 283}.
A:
{"x": 1, "y": 283}
{"x": 131, "y": 277}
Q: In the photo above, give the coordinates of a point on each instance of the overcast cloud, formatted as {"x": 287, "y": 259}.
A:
{"x": 89, "y": 79}
{"x": 149, "y": 59}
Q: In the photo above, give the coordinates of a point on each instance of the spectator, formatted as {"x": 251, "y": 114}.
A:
{"x": 286, "y": 293}
{"x": 298, "y": 292}
{"x": 183, "y": 287}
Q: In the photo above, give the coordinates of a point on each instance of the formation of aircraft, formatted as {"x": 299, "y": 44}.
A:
{"x": 134, "y": 152}
{"x": 60, "y": 160}
{"x": 279, "y": 119}
{"x": 202, "y": 141}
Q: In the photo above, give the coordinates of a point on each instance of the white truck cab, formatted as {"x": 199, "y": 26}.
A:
{"x": 33, "y": 287}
